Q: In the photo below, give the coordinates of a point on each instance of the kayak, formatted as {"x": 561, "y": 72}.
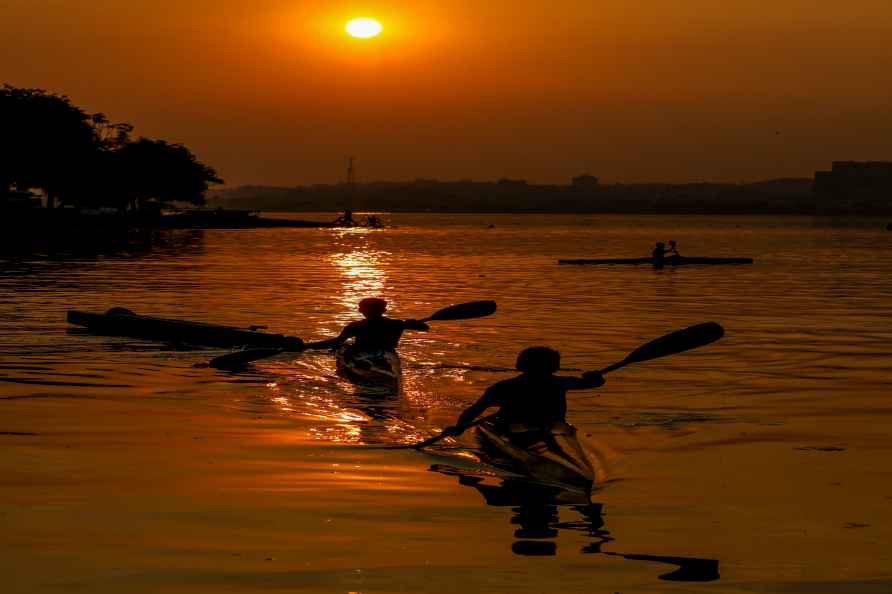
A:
{"x": 553, "y": 456}
{"x": 670, "y": 261}
{"x": 369, "y": 368}
{"x": 121, "y": 322}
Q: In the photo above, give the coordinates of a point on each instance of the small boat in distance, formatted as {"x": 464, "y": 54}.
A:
{"x": 668, "y": 261}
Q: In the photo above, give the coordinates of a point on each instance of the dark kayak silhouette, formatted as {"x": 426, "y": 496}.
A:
{"x": 119, "y": 321}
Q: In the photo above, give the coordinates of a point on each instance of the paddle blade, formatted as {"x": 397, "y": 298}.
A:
{"x": 239, "y": 359}
{"x": 465, "y": 311}
{"x": 677, "y": 342}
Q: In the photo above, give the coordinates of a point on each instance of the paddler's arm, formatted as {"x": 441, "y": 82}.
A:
{"x": 589, "y": 381}
{"x": 472, "y": 412}
{"x": 333, "y": 343}
{"x": 415, "y": 325}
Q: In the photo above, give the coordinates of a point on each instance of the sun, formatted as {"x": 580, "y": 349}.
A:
{"x": 364, "y": 28}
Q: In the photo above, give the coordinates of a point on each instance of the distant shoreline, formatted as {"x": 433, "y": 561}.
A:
{"x": 851, "y": 216}
{"x": 775, "y": 197}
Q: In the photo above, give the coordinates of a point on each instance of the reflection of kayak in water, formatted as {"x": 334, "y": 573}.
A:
{"x": 379, "y": 367}
{"x": 668, "y": 261}
{"x": 552, "y": 456}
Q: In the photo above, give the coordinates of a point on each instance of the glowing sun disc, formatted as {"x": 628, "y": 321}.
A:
{"x": 364, "y": 28}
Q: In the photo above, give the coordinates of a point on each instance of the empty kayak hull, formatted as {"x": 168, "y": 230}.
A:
{"x": 553, "y": 456}
{"x": 369, "y": 368}
{"x": 178, "y": 331}
{"x": 673, "y": 261}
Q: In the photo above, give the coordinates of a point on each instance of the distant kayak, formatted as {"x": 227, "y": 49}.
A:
{"x": 670, "y": 261}
{"x": 554, "y": 456}
{"x": 378, "y": 368}
{"x": 121, "y": 322}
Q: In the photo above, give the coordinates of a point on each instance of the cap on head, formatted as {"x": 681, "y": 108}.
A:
{"x": 661, "y": 244}
{"x": 539, "y": 360}
{"x": 372, "y": 306}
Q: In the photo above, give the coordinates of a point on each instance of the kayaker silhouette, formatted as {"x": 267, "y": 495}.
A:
{"x": 375, "y": 332}
{"x": 371, "y": 359}
{"x": 346, "y": 218}
{"x": 532, "y": 402}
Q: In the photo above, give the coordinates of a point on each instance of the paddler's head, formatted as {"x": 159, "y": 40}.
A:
{"x": 538, "y": 361}
{"x": 660, "y": 244}
{"x": 372, "y": 307}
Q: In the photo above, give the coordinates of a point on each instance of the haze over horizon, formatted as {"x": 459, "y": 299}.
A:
{"x": 273, "y": 92}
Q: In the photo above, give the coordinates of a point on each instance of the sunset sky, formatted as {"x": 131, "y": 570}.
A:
{"x": 275, "y": 91}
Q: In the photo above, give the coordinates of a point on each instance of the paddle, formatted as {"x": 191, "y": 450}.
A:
{"x": 676, "y": 342}
{"x": 462, "y": 311}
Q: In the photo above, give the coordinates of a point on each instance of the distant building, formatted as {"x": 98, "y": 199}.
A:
{"x": 854, "y": 186}
{"x": 585, "y": 182}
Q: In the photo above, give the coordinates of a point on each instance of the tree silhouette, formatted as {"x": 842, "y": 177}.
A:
{"x": 82, "y": 159}
{"x": 157, "y": 171}
{"x": 47, "y": 143}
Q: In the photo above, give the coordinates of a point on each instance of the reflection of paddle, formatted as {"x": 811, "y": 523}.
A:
{"x": 676, "y": 342}
{"x": 462, "y": 311}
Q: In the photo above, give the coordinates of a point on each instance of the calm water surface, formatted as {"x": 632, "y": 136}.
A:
{"x": 127, "y": 469}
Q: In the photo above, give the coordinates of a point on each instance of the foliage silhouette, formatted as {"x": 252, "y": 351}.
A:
{"x": 47, "y": 142}
{"x": 84, "y": 160}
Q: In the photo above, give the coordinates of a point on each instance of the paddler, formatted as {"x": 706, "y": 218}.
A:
{"x": 535, "y": 400}
{"x": 673, "y": 248}
{"x": 346, "y": 219}
{"x": 659, "y": 253}
{"x": 374, "y": 333}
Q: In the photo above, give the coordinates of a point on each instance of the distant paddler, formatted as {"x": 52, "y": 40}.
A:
{"x": 345, "y": 219}
{"x": 661, "y": 252}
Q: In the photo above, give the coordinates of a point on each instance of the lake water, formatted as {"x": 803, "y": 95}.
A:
{"x": 125, "y": 468}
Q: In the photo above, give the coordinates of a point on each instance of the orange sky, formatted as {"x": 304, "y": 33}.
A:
{"x": 273, "y": 92}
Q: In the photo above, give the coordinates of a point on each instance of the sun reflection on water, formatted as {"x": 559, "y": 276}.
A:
{"x": 339, "y": 411}
{"x": 362, "y": 274}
